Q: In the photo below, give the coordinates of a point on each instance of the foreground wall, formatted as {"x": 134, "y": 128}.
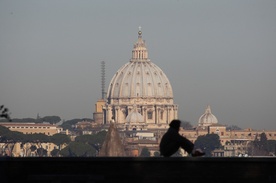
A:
{"x": 134, "y": 170}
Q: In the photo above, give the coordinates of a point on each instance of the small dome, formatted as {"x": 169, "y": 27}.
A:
{"x": 207, "y": 118}
{"x": 134, "y": 116}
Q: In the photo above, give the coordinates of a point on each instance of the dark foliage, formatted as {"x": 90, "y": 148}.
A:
{"x": 78, "y": 149}
{"x": 145, "y": 152}
{"x": 208, "y": 143}
{"x": 186, "y": 125}
{"x": 4, "y": 113}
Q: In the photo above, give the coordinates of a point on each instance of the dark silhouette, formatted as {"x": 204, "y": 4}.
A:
{"x": 172, "y": 141}
{"x": 4, "y": 113}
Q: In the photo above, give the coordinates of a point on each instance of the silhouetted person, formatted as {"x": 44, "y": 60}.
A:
{"x": 172, "y": 141}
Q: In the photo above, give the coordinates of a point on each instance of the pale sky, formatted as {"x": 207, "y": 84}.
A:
{"x": 215, "y": 52}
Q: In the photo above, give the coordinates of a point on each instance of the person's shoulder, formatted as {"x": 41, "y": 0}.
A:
{"x": 172, "y": 130}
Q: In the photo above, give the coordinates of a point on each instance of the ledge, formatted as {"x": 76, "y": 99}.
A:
{"x": 128, "y": 169}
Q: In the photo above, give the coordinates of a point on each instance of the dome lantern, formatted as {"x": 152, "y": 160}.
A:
{"x": 140, "y": 52}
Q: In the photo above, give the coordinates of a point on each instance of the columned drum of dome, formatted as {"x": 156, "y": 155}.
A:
{"x": 142, "y": 83}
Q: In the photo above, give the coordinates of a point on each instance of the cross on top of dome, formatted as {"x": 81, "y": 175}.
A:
{"x": 139, "y": 32}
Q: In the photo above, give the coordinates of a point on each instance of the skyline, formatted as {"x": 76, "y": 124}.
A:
{"x": 217, "y": 53}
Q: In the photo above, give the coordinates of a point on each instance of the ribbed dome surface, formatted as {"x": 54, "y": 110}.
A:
{"x": 207, "y": 118}
{"x": 140, "y": 77}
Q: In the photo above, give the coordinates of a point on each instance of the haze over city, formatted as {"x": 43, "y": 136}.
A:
{"x": 217, "y": 53}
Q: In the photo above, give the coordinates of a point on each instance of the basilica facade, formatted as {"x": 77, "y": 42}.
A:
{"x": 140, "y": 95}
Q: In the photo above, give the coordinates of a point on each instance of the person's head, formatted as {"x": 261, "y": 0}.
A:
{"x": 175, "y": 124}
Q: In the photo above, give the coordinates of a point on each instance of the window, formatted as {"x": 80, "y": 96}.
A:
{"x": 149, "y": 114}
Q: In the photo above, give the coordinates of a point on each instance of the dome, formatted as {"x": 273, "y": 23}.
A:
{"x": 140, "y": 82}
{"x": 207, "y": 118}
{"x": 134, "y": 116}
{"x": 139, "y": 77}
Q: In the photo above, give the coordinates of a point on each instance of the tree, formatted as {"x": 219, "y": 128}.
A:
{"x": 60, "y": 139}
{"x": 233, "y": 127}
{"x": 271, "y": 144}
{"x": 186, "y": 125}
{"x": 145, "y": 152}
{"x": 7, "y": 135}
{"x": 95, "y": 140}
{"x": 55, "y": 153}
{"x": 24, "y": 120}
{"x": 3, "y": 130}
{"x": 4, "y": 113}
{"x": 69, "y": 125}
{"x": 36, "y": 137}
{"x": 33, "y": 148}
{"x": 51, "y": 119}
{"x": 41, "y": 152}
{"x": 78, "y": 149}
{"x": 12, "y": 136}
{"x": 259, "y": 147}
{"x": 208, "y": 143}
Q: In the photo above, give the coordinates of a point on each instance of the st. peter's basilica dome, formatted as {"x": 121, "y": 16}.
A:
{"x": 140, "y": 78}
{"x": 143, "y": 83}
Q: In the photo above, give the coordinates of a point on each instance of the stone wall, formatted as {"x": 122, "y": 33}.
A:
{"x": 138, "y": 170}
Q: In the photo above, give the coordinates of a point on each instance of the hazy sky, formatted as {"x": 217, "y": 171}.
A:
{"x": 220, "y": 53}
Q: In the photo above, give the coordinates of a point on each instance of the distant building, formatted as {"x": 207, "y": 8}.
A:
{"x": 235, "y": 142}
{"x": 31, "y": 128}
{"x": 98, "y": 114}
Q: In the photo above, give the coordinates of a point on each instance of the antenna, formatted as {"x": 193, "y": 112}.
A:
{"x": 103, "y": 79}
